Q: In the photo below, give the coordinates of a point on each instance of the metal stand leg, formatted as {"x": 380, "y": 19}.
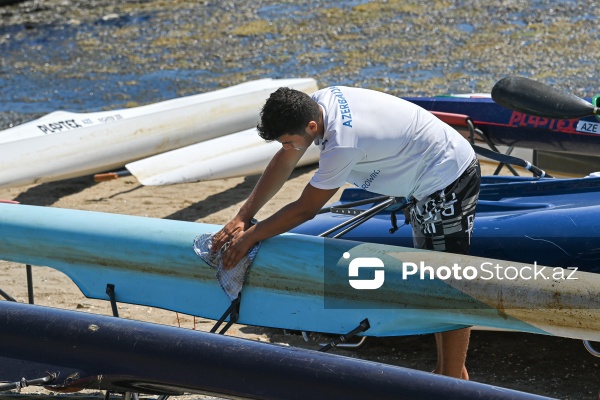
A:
{"x": 491, "y": 145}
{"x": 110, "y": 291}
{"x": 29, "y": 283}
{"x": 6, "y": 295}
{"x": 363, "y": 326}
{"x": 233, "y": 312}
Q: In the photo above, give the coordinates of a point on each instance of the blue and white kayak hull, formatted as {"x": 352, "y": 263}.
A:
{"x": 296, "y": 282}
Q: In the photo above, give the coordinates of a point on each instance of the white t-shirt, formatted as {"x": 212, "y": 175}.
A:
{"x": 386, "y": 145}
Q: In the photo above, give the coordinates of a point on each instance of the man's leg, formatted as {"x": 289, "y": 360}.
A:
{"x": 452, "y": 349}
{"x": 444, "y": 222}
{"x": 452, "y": 345}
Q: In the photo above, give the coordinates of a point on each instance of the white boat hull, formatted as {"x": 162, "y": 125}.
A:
{"x": 239, "y": 154}
{"x": 138, "y": 133}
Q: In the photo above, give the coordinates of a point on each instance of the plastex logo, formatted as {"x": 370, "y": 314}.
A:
{"x": 365, "y": 262}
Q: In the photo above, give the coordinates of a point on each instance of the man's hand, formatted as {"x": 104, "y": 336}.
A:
{"x": 228, "y": 232}
{"x": 237, "y": 248}
{"x": 306, "y": 207}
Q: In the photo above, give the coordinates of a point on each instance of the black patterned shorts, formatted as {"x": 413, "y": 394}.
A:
{"x": 443, "y": 221}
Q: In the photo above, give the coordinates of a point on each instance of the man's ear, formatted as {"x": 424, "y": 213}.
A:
{"x": 313, "y": 126}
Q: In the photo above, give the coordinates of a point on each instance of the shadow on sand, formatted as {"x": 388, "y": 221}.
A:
{"x": 227, "y": 198}
{"x": 49, "y": 193}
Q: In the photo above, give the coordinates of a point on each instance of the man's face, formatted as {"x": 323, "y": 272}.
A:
{"x": 295, "y": 141}
{"x": 300, "y": 141}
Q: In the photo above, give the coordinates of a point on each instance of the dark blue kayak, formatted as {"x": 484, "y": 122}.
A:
{"x": 72, "y": 351}
{"x": 552, "y": 222}
{"x": 513, "y": 128}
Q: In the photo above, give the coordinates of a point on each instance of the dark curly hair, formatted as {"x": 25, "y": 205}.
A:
{"x": 286, "y": 111}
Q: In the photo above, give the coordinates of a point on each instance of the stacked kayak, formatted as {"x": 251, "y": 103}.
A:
{"x": 63, "y": 145}
{"x": 521, "y": 112}
{"x": 551, "y": 222}
{"x": 238, "y": 154}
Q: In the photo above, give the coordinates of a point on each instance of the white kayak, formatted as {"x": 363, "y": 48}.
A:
{"x": 238, "y": 154}
{"x": 64, "y": 145}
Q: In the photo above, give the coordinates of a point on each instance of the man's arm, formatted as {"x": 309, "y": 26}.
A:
{"x": 275, "y": 175}
{"x": 273, "y": 178}
{"x": 306, "y": 207}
